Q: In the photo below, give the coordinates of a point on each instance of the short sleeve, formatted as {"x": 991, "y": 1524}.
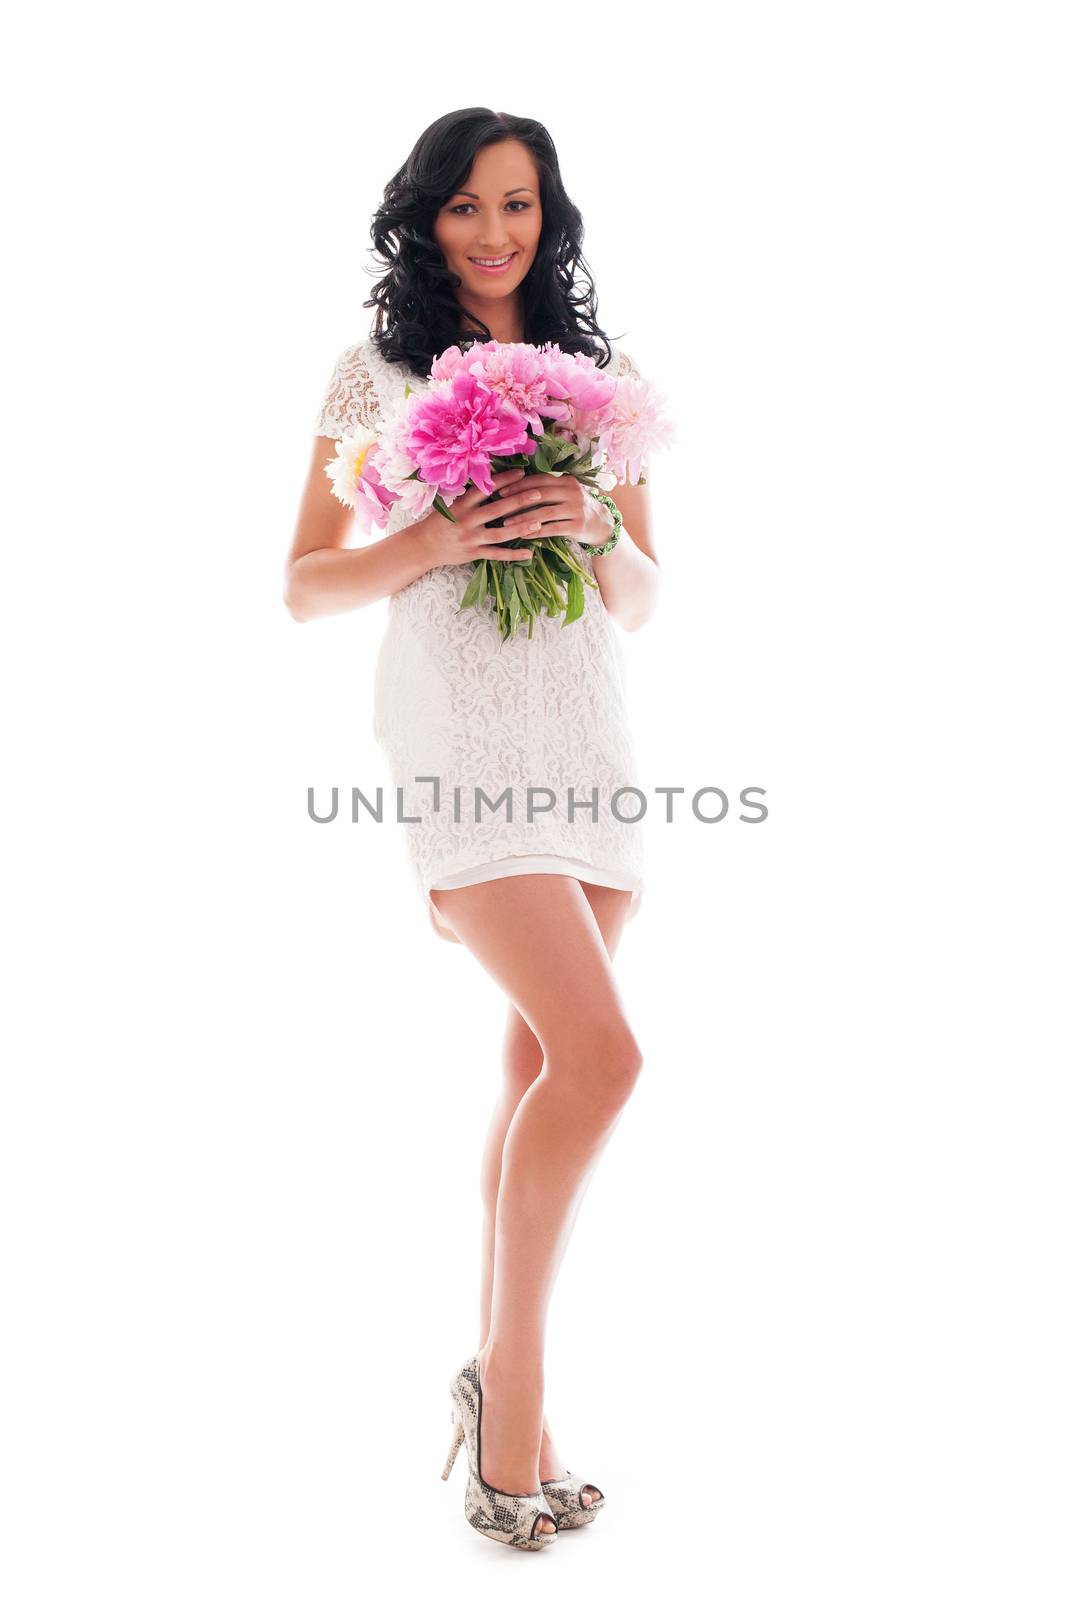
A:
{"x": 350, "y": 401}
{"x": 625, "y": 365}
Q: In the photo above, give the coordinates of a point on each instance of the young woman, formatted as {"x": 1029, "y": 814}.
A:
{"x": 481, "y": 242}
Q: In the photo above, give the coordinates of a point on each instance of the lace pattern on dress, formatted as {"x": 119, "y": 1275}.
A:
{"x": 350, "y": 401}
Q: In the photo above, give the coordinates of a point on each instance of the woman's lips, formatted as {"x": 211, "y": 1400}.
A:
{"x": 494, "y": 270}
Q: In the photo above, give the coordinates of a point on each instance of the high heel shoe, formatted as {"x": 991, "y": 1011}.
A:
{"x": 509, "y": 1518}
{"x": 564, "y": 1496}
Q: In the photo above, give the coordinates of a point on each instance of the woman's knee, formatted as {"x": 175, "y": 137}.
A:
{"x": 599, "y": 1058}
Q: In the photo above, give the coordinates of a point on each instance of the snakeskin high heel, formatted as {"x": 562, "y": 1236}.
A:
{"x": 564, "y": 1496}
{"x": 509, "y": 1518}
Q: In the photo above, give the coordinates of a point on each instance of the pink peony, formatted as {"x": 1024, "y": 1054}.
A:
{"x": 451, "y": 434}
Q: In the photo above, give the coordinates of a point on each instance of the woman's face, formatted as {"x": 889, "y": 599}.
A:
{"x": 497, "y": 212}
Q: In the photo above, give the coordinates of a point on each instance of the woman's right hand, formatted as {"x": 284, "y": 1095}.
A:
{"x": 450, "y": 544}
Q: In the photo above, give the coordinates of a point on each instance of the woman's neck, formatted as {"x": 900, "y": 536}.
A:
{"x": 503, "y": 318}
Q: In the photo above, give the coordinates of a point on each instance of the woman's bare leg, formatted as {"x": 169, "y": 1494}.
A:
{"x": 522, "y": 1062}
{"x": 523, "y": 1059}
{"x": 538, "y": 937}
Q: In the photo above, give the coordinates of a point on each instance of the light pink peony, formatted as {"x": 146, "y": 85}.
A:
{"x": 630, "y": 429}
{"x": 395, "y": 469}
{"x": 519, "y": 374}
{"x": 443, "y": 368}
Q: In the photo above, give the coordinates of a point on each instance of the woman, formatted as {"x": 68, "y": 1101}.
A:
{"x": 481, "y": 241}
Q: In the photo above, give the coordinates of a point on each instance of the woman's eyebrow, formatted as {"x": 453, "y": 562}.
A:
{"x": 506, "y": 192}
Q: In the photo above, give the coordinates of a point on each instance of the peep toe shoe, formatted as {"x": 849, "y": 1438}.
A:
{"x": 564, "y": 1496}
{"x": 508, "y": 1518}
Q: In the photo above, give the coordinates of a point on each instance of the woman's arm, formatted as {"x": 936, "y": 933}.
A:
{"x": 322, "y": 575}
{"x": 629, "y": 575}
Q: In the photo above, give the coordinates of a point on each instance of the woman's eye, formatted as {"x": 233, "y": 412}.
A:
{"x": 524, "y": 205}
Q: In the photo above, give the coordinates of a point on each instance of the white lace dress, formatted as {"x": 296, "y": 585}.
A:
{"x": 455, "y": 703}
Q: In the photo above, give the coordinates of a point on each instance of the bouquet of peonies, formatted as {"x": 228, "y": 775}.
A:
{"x": 488, "y": 409}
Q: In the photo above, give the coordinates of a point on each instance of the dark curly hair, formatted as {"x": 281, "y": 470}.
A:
{"x": 417, "y": 314}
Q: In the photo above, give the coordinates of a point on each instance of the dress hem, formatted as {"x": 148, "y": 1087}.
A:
{"x": 522, "y": 865}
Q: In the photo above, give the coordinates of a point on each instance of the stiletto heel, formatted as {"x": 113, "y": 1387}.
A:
{"x": 457, "y": 1440}
{"x": 508, "y": 1518}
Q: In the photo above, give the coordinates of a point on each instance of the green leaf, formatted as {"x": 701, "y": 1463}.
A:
{"x": 575, "y": 599}
{"x": 439, "y": 505}
{"x": 473, "y": 594}
{"x": 523, "y": 588}
{"x": 511, "y": 597}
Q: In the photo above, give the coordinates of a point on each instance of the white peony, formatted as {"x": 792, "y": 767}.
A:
{"x": 345, "y": 469}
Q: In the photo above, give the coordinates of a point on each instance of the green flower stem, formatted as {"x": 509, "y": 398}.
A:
{"x": 499, "y": 597}
{"x": 534, "y": 578}
{"x": 546, "y": 572}
{"x": 566, "y": 556}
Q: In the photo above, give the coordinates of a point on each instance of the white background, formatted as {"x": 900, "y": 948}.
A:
{"x": 809, "y": 1334}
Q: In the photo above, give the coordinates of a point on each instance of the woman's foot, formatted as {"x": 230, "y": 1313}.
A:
{"x": 551, "y": 1467}
{"x": 511, "y": 1413}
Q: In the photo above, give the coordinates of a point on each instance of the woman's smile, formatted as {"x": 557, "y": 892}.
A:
{"x": 496, "y": 264}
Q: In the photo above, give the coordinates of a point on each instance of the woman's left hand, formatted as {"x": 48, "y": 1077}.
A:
{"x": 566, "y": 509}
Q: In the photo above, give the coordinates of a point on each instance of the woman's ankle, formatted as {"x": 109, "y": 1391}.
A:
{"x": 501, "y": 1367}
